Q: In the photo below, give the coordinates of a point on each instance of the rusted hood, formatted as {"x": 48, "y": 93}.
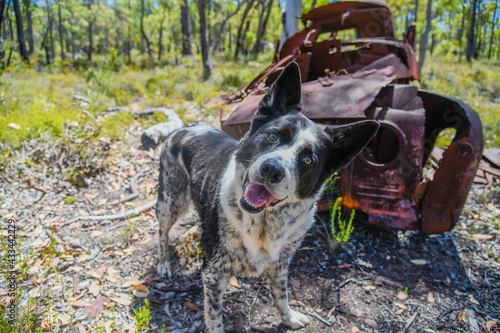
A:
{"x": 342, "y": 96}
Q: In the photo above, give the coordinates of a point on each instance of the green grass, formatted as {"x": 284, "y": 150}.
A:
{"x": 32, "y": 102}
{"x": 477, "y": 84}
{"x": 38, "y": 101}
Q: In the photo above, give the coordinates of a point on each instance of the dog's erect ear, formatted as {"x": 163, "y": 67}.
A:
{"x": 284, "y": 95}
{"x": 347, "y": 141}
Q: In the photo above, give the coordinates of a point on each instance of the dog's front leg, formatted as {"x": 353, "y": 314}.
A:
{"x": 277, "y": 282}
{"x": 214, "y": 286}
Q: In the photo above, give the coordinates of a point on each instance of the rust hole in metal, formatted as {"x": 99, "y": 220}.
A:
{"x": 324, "y": 36}
{"x": 347, "y": 34}
{"x": 385, "y": 146}
{"x": 465, "y": 150}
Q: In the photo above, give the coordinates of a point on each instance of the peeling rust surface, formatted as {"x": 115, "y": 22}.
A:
{"x": 383, "y": 180}
{"x": 367, "y": 76}
{"x": 447, "y": 192}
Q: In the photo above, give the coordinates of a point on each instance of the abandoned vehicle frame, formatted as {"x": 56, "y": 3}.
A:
{"x": 353, "y": 68}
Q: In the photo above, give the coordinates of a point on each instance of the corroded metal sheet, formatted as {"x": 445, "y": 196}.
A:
{"x": 353, "y": 95}
{"x": 447, "y": 192}
{"x": 383, "y": 179}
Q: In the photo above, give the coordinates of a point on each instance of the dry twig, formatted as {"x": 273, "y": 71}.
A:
{"x": 410, "y": 322}
{"x": 128, "y": 213}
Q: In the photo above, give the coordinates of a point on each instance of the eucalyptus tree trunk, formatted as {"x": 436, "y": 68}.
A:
{"x": 492, "y": 35}
{"x": 218, "y": 36}
{"x": 11, "y": 31}
{"x": 186, "y": 29}
{"x": 290, "y": 19}
{"x": 129, "y": 36}
{"x": 416, "y": 11}
{"x": 160, "y": 37}
{"x": 207, "y": 69}
{"x": 90, "y": 31}
{"x": 266, "y": 8}
{"x": 61, "y": 36}
{"x": 469, "y": 52}
{"x": 240, "y": 35}
{"x": 143, "y": 32}
{"x": 50, "y": 18}
{"x": 29, "y": 25}
{"x": 20, "y": 31}
{"x": 2, "y": 7}
{"x": 44, "y": 45}
{"x": 478, "y": 41}
{"x": 425, "y": 36}
{"x": 416, "y": 20}
{"x": 461, "y": 34}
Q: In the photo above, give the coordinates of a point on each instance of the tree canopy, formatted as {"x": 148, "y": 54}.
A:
{"x": 149, "y": 32}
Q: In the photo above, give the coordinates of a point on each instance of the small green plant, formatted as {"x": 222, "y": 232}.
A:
{"x": 331, "y": 188}
{"x": 340, "y": 228}
{"x": 129, "y": 233}
{"x": 69, "y": 200}
{"x": 142, "y": 317}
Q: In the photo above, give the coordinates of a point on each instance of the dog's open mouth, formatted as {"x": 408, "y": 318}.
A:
{"x": 256, "y": 197}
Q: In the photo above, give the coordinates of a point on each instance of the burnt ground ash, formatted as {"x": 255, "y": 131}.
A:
{"x": 382, "y": 280}
{"x": 356, "y": 288}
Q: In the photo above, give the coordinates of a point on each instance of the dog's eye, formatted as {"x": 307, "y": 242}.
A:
{"x": 307, "y": 160}
{"x": 273, "y": 136}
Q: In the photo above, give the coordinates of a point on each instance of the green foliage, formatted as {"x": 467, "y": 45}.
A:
{"x": 331, "y": 188}
{"x": 33, "y": 102}
{"x": 142, "y": 317}
{"x": 69, "y": 200}
{"x": 340, "y": 228}
{"x": 476, "y": 84}
{"x": 117, "y": 25}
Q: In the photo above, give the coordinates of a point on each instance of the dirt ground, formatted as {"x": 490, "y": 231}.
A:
{"x": 92, "y": 276}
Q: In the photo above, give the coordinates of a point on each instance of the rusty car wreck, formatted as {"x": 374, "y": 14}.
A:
{"x": 354, "y": 68}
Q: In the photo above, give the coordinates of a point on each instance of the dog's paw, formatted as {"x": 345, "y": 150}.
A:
{"x": 163, "y": 269}
{"x": 295, "y": 320}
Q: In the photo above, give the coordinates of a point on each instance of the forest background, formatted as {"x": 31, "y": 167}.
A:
{"x": 149, "y": 53}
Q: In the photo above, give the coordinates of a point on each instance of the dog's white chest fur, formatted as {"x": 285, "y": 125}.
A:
{"x": 264, "y": 237}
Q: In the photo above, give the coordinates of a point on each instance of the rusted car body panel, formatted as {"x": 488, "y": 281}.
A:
{"x": 367, "y": 77}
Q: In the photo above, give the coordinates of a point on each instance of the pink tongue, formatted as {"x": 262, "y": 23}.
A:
{"x": 257, "y": 195}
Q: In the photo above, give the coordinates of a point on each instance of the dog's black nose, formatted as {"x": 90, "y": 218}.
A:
{"x": 271, "y": 171}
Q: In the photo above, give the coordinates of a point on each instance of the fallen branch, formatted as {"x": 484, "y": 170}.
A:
{"x": 128, "y": 213}
{"x": 321, "y": 319}
{"x": 251, "y": 306}
{"x": 152, "y": 137}
{"x": 410, "y": 322}
{"x": 313, "y": 313}
{"x": 133, "y": 188}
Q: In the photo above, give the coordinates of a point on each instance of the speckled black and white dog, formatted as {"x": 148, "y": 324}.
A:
{"x": 256, "y": 197}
